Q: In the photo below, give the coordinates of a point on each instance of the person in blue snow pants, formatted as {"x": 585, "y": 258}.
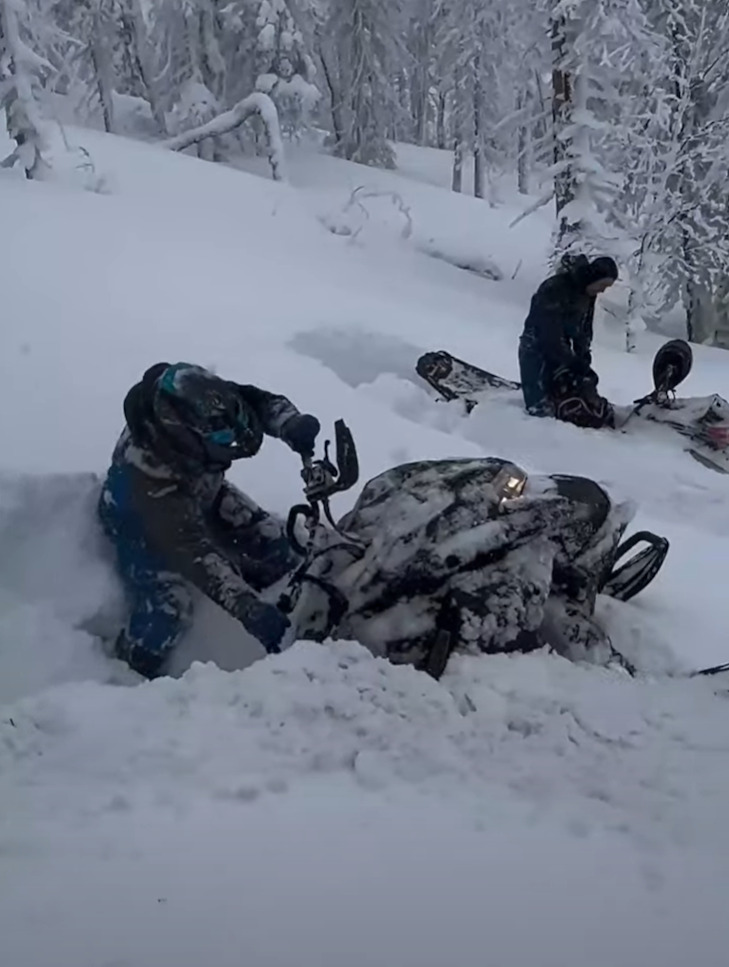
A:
{"x": 555, "y": 358}
{"x": 177, "y": 524}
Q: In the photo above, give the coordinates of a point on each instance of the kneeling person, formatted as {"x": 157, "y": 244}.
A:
{"x": 555, "y": 357}
{"x": 175, "y": 521}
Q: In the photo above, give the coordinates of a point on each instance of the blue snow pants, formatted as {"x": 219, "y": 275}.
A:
{"x": 159, "y": 601}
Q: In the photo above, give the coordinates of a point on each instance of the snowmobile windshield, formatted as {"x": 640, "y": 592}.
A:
{"x": 671, "y": 365}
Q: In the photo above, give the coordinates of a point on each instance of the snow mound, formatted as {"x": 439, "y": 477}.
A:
{"x": 330, "y": 790}
{"x": 591, "y": 746}
{"x": 61, "y": 603}
{"x": 54, "y": 577}
{"x": 313, "y": 710}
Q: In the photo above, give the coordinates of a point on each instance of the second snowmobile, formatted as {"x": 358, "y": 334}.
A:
{"x": 703, "y": 421}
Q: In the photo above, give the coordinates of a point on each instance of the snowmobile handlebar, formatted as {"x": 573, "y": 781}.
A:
{"x": 322, "y": 479}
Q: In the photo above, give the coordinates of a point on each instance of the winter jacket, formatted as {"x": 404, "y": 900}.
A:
{"x": 183, "y": 512}
{"x": 559, "y": 327}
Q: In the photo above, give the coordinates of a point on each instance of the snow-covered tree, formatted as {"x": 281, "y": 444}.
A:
{"x": 488, "y": 51}
{"x": 22, "y": 74}
{"x": 672, "y": 140}
{"x": 360, "y": 47}
{"x": 190, "y": 77}
{"x": 617, "y": 109}
{"x": 698, "y": 33}
{"x": 87, "y": 71}
{"x": 594, "y": 50}
{"x": 419, "y": 78}
{"x": 285, "y": 68}
{"x": 138, "y": 27}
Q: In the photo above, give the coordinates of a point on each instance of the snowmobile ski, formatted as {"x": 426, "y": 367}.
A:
{"x": 454, "y": 378}
{"x": 704, "y": 420}
{"x": 632, "y": 577}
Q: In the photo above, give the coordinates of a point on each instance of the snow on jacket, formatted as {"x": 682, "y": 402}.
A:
{"x": 181, "y": 511}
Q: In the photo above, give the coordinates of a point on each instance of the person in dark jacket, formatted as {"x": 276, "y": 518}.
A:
{"x": 555, "y": 356}
{"x": 177, "y": 524}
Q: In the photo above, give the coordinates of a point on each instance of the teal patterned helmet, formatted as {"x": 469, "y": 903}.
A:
{"x": 204, "y": 417}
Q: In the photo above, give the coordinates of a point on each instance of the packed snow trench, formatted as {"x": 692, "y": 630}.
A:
{"x": 323, "y": 807}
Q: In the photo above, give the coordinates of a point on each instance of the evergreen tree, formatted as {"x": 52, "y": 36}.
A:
{"x": 23, "y": 72}
{"x": 361, "y": 48}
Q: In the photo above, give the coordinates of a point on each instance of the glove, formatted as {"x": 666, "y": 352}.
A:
{"x": 267, "y": 624}
{"x": 564, "y": 382}
{"x": 590, "y": 377}
{"x": 300, "y": 433}
{"x": 576, "y": 377}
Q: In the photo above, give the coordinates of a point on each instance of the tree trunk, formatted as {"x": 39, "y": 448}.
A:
{"x": 422, "y": 88}
{"x": 562, "y": 118}
{"x": 145, "y": 64}
{"x": 522, "y": 148}
{"x": 100, "y": 50}
{"x": 478, "y": 152}
{"x": 721, "y": 301}
{"x": 403, "y": 94}
{"x": 541, "y": 124}
{"x": 440, "y": 130}
{"x": 457, "y": 182}
{"x": 211, "y": 61}
{"x": 421, "y": 133}
{"x": 335, "y": 103}
{"x": 701, "y": 315}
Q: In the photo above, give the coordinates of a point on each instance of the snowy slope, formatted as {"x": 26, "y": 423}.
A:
{"x": 323, "y": 807}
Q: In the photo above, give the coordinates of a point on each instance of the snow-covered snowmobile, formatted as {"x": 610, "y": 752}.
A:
{"x": 466, "y": 554}
{"x": 702, "y": 420}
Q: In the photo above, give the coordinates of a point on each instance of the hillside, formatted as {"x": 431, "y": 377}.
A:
{"x": 323, "y": 807}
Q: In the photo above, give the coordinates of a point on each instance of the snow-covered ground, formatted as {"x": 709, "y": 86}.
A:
{"x": 324, "y": 807}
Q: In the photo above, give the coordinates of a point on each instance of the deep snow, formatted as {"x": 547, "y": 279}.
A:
{"x": 323, "y": 807}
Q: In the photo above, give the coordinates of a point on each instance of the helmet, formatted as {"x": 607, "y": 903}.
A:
{"x": 671, "y": 365}
{"x": 203, "y": 417}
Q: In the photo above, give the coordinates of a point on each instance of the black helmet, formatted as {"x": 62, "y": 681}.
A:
{"x": 671, "y": 365}
{"x": 203, "y": 417}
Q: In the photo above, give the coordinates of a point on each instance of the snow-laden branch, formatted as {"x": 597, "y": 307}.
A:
{"x": 539, "y": 203}
{"x": 355, "y": 199}
{"x": 258, "y": 103}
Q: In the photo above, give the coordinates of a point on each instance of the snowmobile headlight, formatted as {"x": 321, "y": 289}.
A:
{"x": 509, "y": 484}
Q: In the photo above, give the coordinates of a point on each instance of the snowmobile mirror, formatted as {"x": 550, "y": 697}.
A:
{"x": 346, "y": 453}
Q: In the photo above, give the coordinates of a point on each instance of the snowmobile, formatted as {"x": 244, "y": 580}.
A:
{"x": 702, "y": 420}
{"x": 469, "y": 555}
